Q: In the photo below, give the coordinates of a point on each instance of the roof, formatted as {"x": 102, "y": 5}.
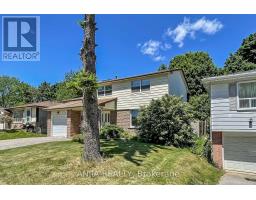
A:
{"x": 74, "y": 103}
{"x": 248, "y": 75}
{"x": 140, "y": 76}
{"x": 42, "y": 104}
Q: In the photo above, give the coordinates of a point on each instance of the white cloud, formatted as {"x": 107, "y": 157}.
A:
{"x": 186, "y": 28}
{"x": 152, "y": 48}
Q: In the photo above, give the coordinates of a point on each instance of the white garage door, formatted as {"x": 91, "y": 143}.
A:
{"x": 59, "y": 124}
{"x": 1, "y": 126}
{"x": 240, "y": 152}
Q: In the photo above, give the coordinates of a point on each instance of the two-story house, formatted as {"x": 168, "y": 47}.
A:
{"x": 119, "y": 101}
{"x": 233, "y": 120}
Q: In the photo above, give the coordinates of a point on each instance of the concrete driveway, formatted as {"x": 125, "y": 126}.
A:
{"x": 231, "y": 178}
{"x": 21, "y": 142}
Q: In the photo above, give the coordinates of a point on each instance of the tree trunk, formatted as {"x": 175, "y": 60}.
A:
{"x": 90, "y": 127}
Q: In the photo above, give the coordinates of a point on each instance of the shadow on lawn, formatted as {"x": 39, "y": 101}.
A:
{"x": 131, "y": 150}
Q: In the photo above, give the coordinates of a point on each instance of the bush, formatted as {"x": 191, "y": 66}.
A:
{"x": 78, "y": 138}
{"x": 203, "y": 147}
{"x": 166, "y": 121}
{"x": 111, "y": 131}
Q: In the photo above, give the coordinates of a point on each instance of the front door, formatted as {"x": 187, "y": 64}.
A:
{"x": 28, "y": 115}
{"x": 105, "y": 117}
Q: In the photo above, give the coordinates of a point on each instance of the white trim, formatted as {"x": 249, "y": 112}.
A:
{"x": 141, "y": 91}
{"x": 223, "y": 149}
{"x": 104, "y": 86}
{"x": 237, "y": 96}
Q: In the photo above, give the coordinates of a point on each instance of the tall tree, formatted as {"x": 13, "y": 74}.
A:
{"x": 162, "y": 67}
{"x": 14, "y": 92}
{"x": 45, "y": 92}
{"x": 90, "y": 126}
{"x": 244, "y": 58}
{"x": 196, "y": 66}
{"x": 66, "y": 89}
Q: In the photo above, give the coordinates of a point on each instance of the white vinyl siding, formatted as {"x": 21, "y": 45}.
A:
{"x": 126, "y": 99}
{"x": 224, "y": 119}
{"x": 177, "y": 85}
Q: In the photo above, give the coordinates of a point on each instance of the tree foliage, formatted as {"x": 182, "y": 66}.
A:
{"x": 64, "y": 90}
{"x": 45, "y": 92}
{"x": 166, "y": 121}
{"x": 14, "y": 92}
{"x": 244, "y": 59}
{"x": 196, "y": 66}
{"x": 162, "y": 67}
{"x": 200, "y": 107}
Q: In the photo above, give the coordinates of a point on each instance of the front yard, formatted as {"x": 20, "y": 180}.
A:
{"x": 125, "y": 162}
{"x": 14, "y": 134}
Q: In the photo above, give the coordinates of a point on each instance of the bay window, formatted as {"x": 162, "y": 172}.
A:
{"x": 247, "y": 95}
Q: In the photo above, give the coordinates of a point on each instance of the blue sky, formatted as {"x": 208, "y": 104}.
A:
{"x": 130, "y": 44}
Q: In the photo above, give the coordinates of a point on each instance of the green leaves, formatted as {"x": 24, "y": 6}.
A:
{"x": 166, "y": 121}
{"x": 244, "y": 59}
{"x": 84, "y": 81}
{"x": 196, "y": 66}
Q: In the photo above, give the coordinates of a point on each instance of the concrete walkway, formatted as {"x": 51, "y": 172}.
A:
{"x": 232, "y": 178}
{"x": 21, "y": 142}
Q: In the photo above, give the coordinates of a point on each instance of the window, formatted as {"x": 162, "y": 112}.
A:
{"x": 140, "y": 85}
{"x": 108, "y": 90}
{"x": 136, "y": 86}
{"x": 247, "y": 95}
{"x": 101, "y": 91}
{"x": 145, "y": 85}
{"x": 105, "y": 90}
{"x": 105, "y": 117}
{"x": 18, "y": 116}
{"x": 134, "y": 116}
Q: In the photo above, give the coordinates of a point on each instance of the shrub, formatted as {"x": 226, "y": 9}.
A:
{"x": 78, "y": 138}
{"x": 111, "y": 131}
{"x": 166, "y": 121}
{"x": 203, "y": 147}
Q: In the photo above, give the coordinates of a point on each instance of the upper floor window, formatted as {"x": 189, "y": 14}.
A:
{"x": 105, "y": 90}
{"x": 247, "y": 95}
{"x": 140, "y": 85}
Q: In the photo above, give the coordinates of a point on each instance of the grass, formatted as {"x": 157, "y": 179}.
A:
{"x": 125, "y": 162}
{"x": 14, "y": 134}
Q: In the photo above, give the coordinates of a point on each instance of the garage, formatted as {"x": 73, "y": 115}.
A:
{"x": 240, "y": 152}
{"x": 1, "y": 126}
{"x": 59, "y": 124}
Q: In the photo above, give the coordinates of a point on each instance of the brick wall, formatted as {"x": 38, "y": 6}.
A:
{"x": 217, "y": 148}
{"x": 49, "y": 124}
{"x": 123, "y": 118}
{"x": 73, "y": 122}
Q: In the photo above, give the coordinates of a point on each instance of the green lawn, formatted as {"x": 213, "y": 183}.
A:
{"x": 125, "y": 162}
{"x": 13, "y": 134}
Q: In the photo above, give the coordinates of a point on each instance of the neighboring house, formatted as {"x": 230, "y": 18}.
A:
{"x": 33, "y": 114}
{"x": 119, "y": 101}
{"x": 233, "y": 120}
{"x": 4, "y": 112}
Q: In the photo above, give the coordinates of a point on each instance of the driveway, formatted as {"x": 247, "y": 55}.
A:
{"x": 231, "y": 178}
{"x": 21, "y": 142}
